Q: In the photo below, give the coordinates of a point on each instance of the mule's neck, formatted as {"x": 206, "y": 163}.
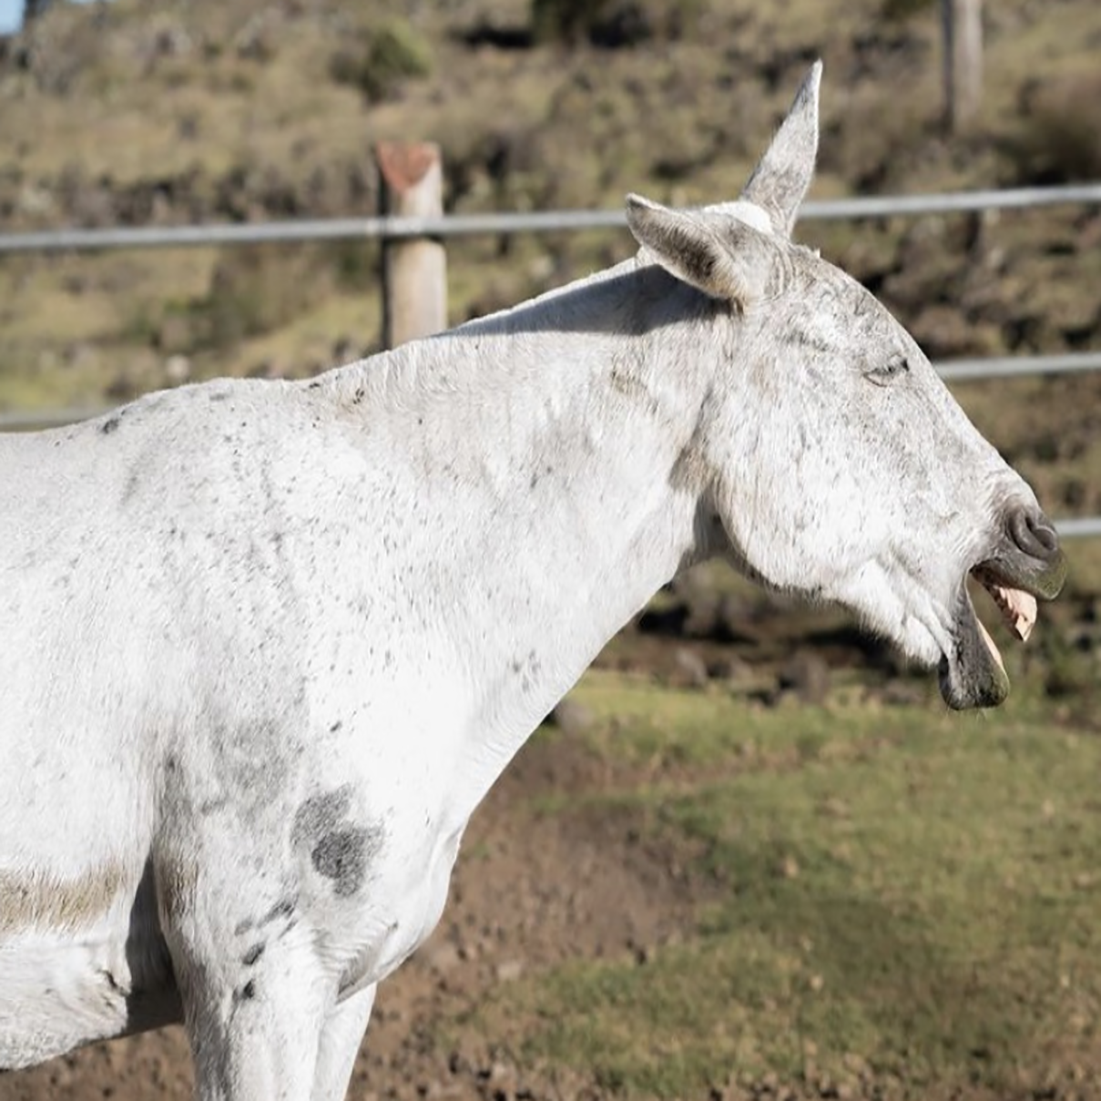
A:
{"x": 552, "y": 440}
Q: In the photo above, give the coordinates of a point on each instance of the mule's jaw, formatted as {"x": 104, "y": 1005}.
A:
{"x": 974, "y": 674}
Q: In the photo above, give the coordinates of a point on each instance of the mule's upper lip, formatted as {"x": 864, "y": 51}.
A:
{"x": 1042, "y": 579}
{"x": 1023, "y": 569}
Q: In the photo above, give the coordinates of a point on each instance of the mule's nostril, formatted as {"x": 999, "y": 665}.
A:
{"x": 1047, "y": 536}
{"x": 1034, "y": 534}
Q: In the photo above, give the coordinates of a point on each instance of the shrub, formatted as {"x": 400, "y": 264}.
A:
{"x": 567, "y": 21}
{"x": 257, "y": 290}
{"x": 385, "y": 57}
{"x": 1059, "y": 139}
{"x": 900, "y": 10}
{"x": 610, "y": 24}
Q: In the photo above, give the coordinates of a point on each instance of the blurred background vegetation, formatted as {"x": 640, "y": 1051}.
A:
{"x": 137, "y": 113}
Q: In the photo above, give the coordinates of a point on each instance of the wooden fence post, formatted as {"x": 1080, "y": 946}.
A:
{"x": 962, "y": 61}
{"x": 414, "y": 269}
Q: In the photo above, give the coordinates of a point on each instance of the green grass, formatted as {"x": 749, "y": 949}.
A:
{"x": 898, "y": 891}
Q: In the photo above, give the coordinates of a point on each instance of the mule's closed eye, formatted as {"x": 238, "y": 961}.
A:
{"x": 897, "y": 365}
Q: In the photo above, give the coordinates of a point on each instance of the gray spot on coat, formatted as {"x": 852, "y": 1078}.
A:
{"x": 340, "y": 850}
{"x": 342, "y": 857}
{"x": 320, "y": 814}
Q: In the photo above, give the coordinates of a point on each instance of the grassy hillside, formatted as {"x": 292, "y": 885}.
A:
{"x": 137, "y": 113}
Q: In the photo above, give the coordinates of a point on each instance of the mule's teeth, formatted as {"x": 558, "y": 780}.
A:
{"x": 1020, "y": 612}
{"x": 1018, "y": 608}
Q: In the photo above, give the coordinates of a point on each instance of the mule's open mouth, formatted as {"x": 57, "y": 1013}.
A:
{"x": 974, "y": 674}
{"x": 1017, "y": 606}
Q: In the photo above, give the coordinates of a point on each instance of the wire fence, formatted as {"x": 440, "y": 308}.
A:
{"x": 459, "y": 225}
{"x": 386, "y": 228}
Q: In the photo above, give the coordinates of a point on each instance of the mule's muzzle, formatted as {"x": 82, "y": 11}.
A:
{"x": 1031, "y": 557}
{"x": 1025, "y": 563}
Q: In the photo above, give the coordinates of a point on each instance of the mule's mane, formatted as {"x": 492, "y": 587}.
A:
{"x": 639, "y": 279}
{"x": 578, "y": 331}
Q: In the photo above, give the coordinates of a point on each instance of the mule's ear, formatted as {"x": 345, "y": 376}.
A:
{"x": 722, "y": 257}
{"x": 781, "y": 178}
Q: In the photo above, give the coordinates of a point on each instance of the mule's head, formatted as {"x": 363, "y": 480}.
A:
{"x": 834, "y": 456}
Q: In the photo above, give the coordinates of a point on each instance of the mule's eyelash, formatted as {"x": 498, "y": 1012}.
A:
{"x": 895, "y": 366}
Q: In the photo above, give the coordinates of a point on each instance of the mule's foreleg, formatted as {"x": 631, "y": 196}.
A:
{"x": 254, "y": 988}
{"x": 341, "y": 1036}
{"x": 254, "y": 1038}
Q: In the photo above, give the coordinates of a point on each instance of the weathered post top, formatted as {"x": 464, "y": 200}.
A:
{"x": 414, "y": 269}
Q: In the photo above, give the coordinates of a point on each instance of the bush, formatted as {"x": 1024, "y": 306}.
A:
{"x": 610, "y": 24}
{"x": 257, "y": 290}
{"x": 1059, "y": 140}
{"x": 901, "y": 10}
{"x": 567, "y": 21}
{"x": 388, "y": 55}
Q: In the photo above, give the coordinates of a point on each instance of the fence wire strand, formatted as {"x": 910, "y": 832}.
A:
{"x": 457, "y": 225}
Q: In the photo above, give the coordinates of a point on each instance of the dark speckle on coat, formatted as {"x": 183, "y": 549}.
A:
{"x": 245, "y": 993}
{"x": 109, "y": 425}
{"x": 253, "y": 954}
{"x": 283, "y": 908}
{"x": 131, "y": 486}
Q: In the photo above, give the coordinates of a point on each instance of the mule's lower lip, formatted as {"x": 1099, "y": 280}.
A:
{"x": 973, "y": 675}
